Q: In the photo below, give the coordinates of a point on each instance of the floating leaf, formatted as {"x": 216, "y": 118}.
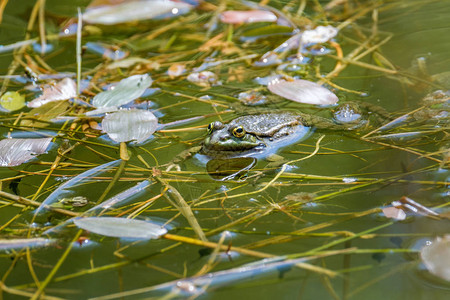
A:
{"x": 134, "y": 11}
{"x": 436, "y": 257}
{"x": 12, "y": 101}
{"x": 302, "y": 91}
{"x": 22, "y": 243}
{"x": 248, "y": 16}
{"x": 62, "y": 90}
{"x": 14, "y": 152}
{"x": 129, "y": 125}
{"x": 43, "y": 114}
{"x": 121, "y": 227}
{"x": 125, "y": 91}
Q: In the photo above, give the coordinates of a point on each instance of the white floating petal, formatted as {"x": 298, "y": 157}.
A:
{"x": 247, "y": 16}
{"x": 129, "y": 125}
{"x": 62, "y": 90}
{"x": 303, "y": 91}
{"x": 134, "y": 11}
{"x": 394, "y": 213}
{"x": 436, "y": 257}
{"x": 14, "y": 152}
{"x": 121, "y": 227}
{"x": 320, "y": 34}
{"x": 125, "y": 91}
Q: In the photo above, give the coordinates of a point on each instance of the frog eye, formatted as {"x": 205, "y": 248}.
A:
{"x": 214, "y": 126}
{"x": 238, "y": 131}
{"x": 210, "y": 128}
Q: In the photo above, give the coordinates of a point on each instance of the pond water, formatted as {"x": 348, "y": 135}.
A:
{"x": 313, "y": 210}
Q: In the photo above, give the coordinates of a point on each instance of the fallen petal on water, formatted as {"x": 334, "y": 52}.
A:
{"x": 248, "y": 16}
{"x": 135, "y": 11}
{"x": 14, "y": 152}
{"x": 129, "y": 125}
{"x": 394, "y": 213}
{"x": 62, "y": 90}
{"x": 303, "y": 91}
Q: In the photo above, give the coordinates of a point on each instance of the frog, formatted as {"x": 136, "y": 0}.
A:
{"x": 251, "y": 135}
{"x": 261, "y": 135}
{"x": 77, "y": 201}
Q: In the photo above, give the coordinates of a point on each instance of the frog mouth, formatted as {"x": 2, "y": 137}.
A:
{"x": 240, "y": 148}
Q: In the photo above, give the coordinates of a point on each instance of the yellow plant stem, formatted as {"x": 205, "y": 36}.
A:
{"x": 55, "y": 269}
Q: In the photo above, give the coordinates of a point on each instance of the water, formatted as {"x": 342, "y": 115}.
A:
{"x": 350, "y": 177}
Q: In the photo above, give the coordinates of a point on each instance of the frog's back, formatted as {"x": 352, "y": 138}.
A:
{"x": 265, "y": 124}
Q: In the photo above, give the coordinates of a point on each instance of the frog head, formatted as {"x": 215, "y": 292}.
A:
{"x": 229, "y": 138}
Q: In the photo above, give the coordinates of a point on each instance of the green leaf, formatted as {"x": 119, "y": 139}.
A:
{"x": 41, "y": 116}
{"x": 12, "y": 101}
{"x": 125, "y": 91}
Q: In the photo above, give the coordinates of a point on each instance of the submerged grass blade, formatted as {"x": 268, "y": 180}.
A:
{"x": 55, "y": 269}
{"x": 23, "y": 243}
{"x": 65, "y": 188}
{"x": 178, "y": 201}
